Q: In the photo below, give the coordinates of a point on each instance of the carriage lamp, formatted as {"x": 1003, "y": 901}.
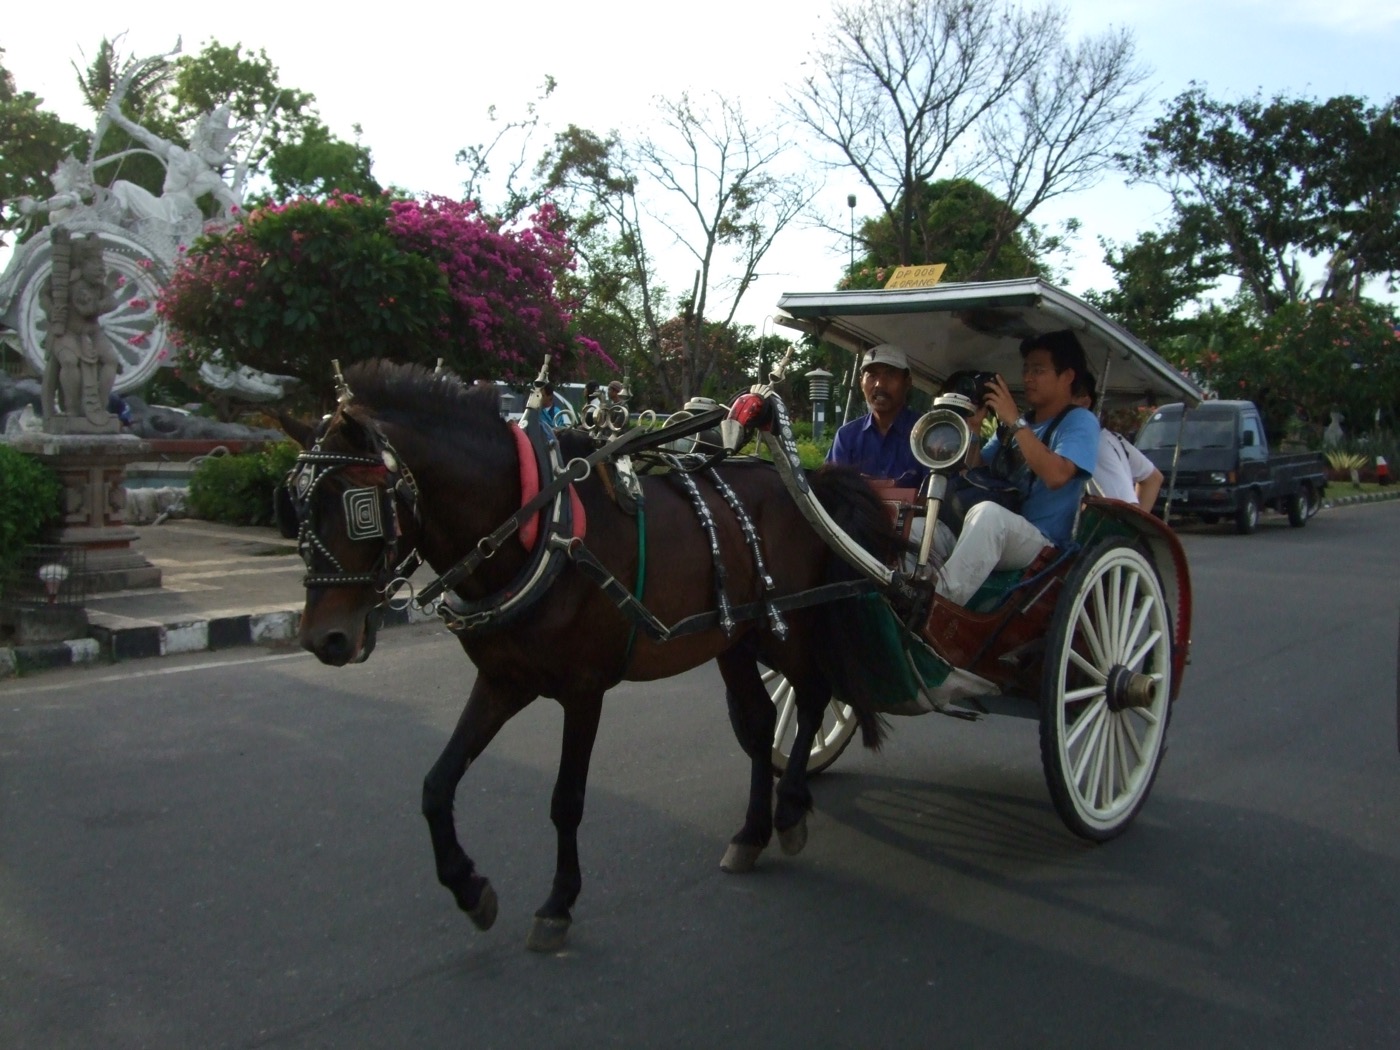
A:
{"x": 940, "y": 438}
{"x": 52, "y": 577}
{"x": 939, "y": 441}
{"x": 818, "y": 389}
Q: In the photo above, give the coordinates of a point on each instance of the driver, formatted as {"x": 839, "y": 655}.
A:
{"x": 878, "y": 444}
{"x": 994, "y": 537}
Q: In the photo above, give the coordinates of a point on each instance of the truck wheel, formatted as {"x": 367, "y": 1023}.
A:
{"x": 1298, "y": 508}
{"x": 1247, "y": 516}
{"x": 1314, "y": 500}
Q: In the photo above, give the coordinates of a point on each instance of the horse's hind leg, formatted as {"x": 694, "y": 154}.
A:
{"x": 794, "y": 796}
{"x": 753, "y": 717}
{"x": 488, "y": 708}
{"x": 552, "y": 921}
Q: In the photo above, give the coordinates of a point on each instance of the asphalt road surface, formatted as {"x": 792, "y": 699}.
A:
{"x": 226, "y": 851}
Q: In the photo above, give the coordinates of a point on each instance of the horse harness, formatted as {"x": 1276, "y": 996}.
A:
{"x": 373, "y": 512}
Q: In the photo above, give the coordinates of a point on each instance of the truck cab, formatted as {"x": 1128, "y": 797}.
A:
{"x": 1225, "y": 468}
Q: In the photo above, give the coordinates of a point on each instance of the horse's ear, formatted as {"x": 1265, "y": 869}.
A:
{"x": 304, "y": 434}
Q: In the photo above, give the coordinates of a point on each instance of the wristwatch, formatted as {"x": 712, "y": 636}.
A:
{"x": 1011, "y": 428}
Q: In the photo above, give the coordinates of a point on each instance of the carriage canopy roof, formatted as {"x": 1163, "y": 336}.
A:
{"x": 950, "y": 327}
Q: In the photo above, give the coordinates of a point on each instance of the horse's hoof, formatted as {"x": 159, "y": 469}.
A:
{"x": 740, "y": 858}
{"x": 794, "y": 838}
{"x": 484, "y": 914}
{"x": 548, "y": 935}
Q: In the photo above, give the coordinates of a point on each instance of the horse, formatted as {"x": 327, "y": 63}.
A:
{"x": 432, "y": 461}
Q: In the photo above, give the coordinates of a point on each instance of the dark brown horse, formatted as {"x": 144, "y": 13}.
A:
{"x": 415, "y": 461}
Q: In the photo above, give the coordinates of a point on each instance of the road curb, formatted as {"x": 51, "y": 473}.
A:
{"x": 118, "y": 639}
{"x": 1361, "y": 497}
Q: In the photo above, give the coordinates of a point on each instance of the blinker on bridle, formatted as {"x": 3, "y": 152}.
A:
{"x": 370, "y": 512}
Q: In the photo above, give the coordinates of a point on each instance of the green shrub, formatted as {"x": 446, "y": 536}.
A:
{"x": 237, "y": 490}
{"x": 29, "y": 500}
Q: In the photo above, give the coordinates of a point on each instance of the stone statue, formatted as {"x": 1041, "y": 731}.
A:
{"x": 72, "y": 186}
{"x": 1332, "y": 434}
{"x": 81, "y": 364}
{"x": 189, "y": 173}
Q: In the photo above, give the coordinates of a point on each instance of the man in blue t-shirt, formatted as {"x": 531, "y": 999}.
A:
{"x": 878, "y": 444}
{"x": 994, "y": 537}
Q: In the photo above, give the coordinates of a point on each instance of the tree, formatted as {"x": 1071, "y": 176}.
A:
{"x": 32, "y": 143}
{"x": 298, "y": 284}
{"x": 284, "y": 137}
{"x": 955, "y": 222}
{"x": 1158, "y": 277}
{"x": 1264, "y": 186}
{"x": 622, "y": 304}
{"x": 734, "y": 203}
{"x": 908, "y": 92}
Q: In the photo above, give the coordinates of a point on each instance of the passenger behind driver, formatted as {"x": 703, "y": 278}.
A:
{"x": 1122, "y": 473}
{"x": 996, "y": 538}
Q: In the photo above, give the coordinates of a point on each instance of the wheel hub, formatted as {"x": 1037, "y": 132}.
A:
{"x": 1127, "y": 688}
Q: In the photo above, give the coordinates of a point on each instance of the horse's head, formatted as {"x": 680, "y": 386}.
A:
{"x": 352, "y": 505}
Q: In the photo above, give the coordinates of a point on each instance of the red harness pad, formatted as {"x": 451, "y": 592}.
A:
{"x": 530, "y": 488}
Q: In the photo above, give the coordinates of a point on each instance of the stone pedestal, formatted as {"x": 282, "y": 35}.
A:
{"x": 92, "y": 469}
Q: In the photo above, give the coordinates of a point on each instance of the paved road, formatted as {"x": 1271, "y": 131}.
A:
{"x": 227, "y": 853}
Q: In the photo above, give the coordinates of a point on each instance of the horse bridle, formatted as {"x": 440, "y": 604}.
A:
{"x": 371, "y": 513}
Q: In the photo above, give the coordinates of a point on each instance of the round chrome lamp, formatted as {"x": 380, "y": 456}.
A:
{"x": 940, "y": 438}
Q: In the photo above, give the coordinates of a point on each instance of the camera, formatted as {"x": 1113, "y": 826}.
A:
{"x": 970, "y": 384}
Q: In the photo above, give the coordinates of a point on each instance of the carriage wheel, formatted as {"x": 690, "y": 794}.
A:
{"x": 836, "y": 731}
{"x": 1106, "y": 690}
{"x": 136, "y": 331}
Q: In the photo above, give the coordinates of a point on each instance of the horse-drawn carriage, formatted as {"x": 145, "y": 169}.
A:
{"x": 1091, "y": 641}
{"x": 567, "y": 563}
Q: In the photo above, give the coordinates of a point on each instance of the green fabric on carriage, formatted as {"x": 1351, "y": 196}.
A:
{"x": 994, "y": 591}
{"x": 889, "y": 652}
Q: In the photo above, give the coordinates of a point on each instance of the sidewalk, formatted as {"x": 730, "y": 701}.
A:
{"x": 221, "y": 586}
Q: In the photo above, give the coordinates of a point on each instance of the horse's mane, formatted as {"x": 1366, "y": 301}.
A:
{"x": 418, "y": 398}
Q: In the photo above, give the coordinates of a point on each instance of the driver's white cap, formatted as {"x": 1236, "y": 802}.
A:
{"x": 885, "y": 354}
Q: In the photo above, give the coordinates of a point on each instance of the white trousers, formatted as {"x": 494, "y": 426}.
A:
{"x": 992, "y": 538}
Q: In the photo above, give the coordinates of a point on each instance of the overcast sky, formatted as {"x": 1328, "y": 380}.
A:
{"x": 419, "y": 78}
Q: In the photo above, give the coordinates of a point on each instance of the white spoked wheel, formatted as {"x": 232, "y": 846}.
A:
{"x": 136, "y": 331}
{"x": 1106, "y": 691}
{"x": 837, "y": 728}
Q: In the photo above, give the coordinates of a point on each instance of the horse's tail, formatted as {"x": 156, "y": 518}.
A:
{"x": 844, "y": 627}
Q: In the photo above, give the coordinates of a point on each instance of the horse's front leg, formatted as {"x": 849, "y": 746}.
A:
{"x": 753, "y": 717}
{"x": 488, "y": 708}
{"x": 581, "y": 714}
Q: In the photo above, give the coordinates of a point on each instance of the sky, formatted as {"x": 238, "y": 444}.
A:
{"x": 419, "y": 81}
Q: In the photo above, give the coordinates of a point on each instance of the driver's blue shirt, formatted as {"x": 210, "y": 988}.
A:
{"x": 860, "y": 444}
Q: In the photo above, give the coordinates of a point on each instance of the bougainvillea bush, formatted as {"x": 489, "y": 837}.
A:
{"x": 296, "y": 284}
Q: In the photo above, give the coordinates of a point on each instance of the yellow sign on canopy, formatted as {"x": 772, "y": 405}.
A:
{"x": 916, "y": 276}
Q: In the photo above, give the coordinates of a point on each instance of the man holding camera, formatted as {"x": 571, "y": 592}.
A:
{"x": 1058, "y": 442}
{"x": 878, "y": 444}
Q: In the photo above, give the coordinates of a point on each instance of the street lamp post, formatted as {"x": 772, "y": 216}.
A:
{"x": 851, "y": 203}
